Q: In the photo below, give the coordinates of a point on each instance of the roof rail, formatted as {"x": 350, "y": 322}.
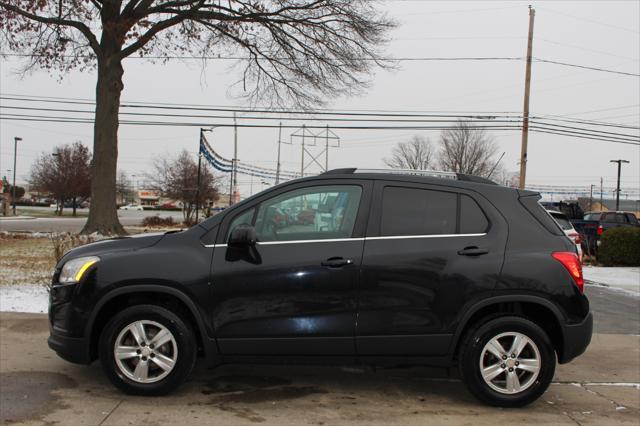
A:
{"x": 340, "y": 171}
{"x": 427, "y": 173}
{"x": 410, "y": 172}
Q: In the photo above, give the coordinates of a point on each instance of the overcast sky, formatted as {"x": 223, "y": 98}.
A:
{"x": 598, "y": 34}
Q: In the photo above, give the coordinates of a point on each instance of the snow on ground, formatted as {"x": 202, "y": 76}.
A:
{"x": 24, "y": 298}
{"x": 622, "y": 278}
{"x": 34, "y": 298}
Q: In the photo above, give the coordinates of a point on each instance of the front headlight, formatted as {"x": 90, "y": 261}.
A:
{"x": 73, "y": 270}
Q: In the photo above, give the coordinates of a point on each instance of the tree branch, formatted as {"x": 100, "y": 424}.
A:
{"x": 91, "y": 38}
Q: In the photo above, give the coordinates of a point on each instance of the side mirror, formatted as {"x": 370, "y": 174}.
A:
{"x": 242, "y": 236}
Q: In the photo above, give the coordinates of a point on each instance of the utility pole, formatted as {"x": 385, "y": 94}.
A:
{"x": 591, "y": 197}
{"x": 234, "y": 174}
{"x": 326, "y": 151}
{"x": 304, "y": 128}
{"x": 601, "y": 191}
{"x": 618, "y": 186}
{"x": 525, "y": 114}
{"x": 13, "y": 188}
{"x": 279, "y": 143}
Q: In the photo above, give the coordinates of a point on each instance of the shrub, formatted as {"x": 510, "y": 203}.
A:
{"x": 158, "y": 222}
{"x": 620, "y": 247}
{"x": 65, "y": 241}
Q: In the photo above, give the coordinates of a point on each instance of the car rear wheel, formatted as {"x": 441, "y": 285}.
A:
{"x": 508, "y": 362}
{"x": 147, "y": 350}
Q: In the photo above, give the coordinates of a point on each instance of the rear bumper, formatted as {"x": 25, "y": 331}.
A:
{"x": 576, "y": 339}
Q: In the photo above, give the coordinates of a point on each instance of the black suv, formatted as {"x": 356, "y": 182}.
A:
{"x": 349, "y": 266}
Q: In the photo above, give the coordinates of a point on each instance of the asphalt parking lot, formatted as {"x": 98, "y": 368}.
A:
{"x": 601, "y": 387}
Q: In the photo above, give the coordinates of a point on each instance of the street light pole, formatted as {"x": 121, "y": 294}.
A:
{"x": 13, "y": 188}
{"x": 618, "y": 186}
{"x": 202, "y": 130}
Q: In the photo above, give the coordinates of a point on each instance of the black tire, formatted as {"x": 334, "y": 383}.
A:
{"x": 185, "y": 342}
{"x": 471, "y": 352}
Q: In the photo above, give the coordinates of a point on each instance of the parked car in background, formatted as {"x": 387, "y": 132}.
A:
{"x": 571, "y": 209}
{"x": 595, "y": 224}
{"x": 132, "y": 207}
{"x": 568, "y": 229}
{"x": 411, "y": 269}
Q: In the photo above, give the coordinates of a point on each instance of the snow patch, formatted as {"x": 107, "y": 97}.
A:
{"x": 24, "y": 298}
{"x": 620, "y": 278}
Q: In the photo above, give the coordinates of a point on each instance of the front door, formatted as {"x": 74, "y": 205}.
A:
{"x": 428, "y": 251}
{"x": 294, "y": 292}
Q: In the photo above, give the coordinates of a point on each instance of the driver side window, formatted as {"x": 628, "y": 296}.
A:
{"x": 315, "y": 213}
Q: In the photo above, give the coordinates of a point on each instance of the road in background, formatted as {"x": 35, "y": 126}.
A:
{"x": 75, "y": 224}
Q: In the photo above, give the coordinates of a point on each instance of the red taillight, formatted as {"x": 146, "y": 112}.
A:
{"x": 572, "y": 263}
{"x": 600, "y": 230}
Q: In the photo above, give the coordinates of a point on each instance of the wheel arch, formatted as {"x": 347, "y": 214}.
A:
{"x": 537, "y": 309}
{"x": 161, "y": 295}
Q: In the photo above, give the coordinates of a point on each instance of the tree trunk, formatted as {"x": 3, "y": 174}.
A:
{"x": 74, "y": 205}
{"x": 103, "y": 217}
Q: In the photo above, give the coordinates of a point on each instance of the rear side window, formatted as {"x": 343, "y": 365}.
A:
{"x": 412, "y": 211}
{"x": 632, "y": 219}
{"x": 409, "y": 211}
{"x": 592, "y": 216}
{"x": 472, "y": 218}
{"x": 620, "y": 218}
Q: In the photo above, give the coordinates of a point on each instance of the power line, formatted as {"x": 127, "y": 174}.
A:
{"x": 595, "y": 135}
{"x": 566, "y": 64}
{"x": 389, "y": 59}
{"x": 593, "y": 21}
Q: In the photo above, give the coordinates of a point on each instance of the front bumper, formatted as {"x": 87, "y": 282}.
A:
{"x": 576, "y": 339}
{"x": 72, "y": 349}
{"x": 66, "y": 325}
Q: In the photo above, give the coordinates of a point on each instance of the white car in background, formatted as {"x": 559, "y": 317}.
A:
{"x": 568, "y": 229}
{"x": 131, "y": 207}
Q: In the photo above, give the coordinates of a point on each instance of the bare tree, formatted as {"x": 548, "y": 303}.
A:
{"x": 124, "y": 188}
{"x": 467, "y": 149}
{"x": 300, "y": 50}
{"x": 65, "y": 174}
{"x": 177, "y": 177}
{"x": 415, "y": 154}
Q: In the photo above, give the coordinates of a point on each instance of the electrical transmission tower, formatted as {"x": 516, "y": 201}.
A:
{"x": 325, "y": 138}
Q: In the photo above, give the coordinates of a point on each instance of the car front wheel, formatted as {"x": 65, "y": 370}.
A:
{"x": 147, "y": 350}
{"x": 507, "y": 362}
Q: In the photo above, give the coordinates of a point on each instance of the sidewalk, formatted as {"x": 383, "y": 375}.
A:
{"x": 20, "y": 217}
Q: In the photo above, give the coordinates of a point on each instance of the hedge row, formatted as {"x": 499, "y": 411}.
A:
{"x": 620, "y": 247}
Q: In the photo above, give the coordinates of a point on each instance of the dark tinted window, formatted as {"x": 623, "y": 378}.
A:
{"x": 562, "y": 221}
{"x": 632, "y": 219}
{"x": 409, "y": 211}
{"x": 592, "y": 216}
{"x": 609, "y": 217}
{"x": 472, "y": 219}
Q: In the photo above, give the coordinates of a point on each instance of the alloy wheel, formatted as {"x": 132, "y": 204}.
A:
{"x": 145, "y": 351}
{"x": 510, "y": 363}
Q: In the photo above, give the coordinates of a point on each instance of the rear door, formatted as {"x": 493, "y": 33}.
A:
{"x": 429, "y": 252}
